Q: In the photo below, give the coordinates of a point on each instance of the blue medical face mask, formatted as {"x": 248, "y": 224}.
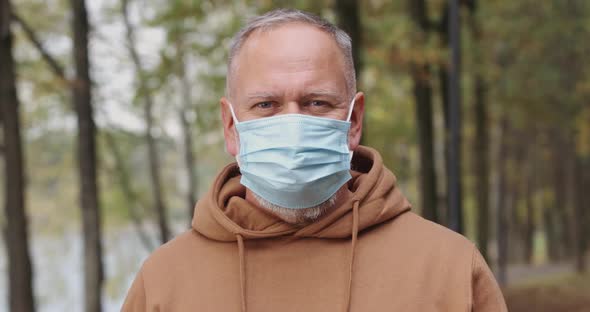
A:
{"x": 294, "y": 161}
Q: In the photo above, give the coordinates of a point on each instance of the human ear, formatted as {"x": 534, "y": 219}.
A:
{"x": 229, "y": 129}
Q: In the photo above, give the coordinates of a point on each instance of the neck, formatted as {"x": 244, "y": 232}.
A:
{"x": 297, "y": 216}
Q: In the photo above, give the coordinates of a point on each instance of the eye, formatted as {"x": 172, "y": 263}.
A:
{"x": 264, "y": 105}
{"x": 318, "y": 103}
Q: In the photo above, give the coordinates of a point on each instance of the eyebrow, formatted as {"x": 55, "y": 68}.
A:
{"x": 307, "y": 95}
{"x": 261, "y": 95}
{"x": 323, "y": 93}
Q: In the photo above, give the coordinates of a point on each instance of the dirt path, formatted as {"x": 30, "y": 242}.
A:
{"x": 552, "y": 287}
{"x": 523, "y": 274}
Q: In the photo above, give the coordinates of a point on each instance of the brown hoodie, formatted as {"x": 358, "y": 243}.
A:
{"x": 369, "y": 254}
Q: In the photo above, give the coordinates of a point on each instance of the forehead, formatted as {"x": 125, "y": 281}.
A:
{"x": 294, "y": 53}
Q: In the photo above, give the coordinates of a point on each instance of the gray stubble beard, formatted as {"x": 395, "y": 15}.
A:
{"x": 299, "y": 216}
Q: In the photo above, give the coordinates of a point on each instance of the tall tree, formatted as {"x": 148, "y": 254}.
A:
{"x": 561, "y": 157}
{"x": 153, "y": 155}
{"x": 454, "y": 188}
{"x": 502, "y": 225}
{"x": 187, "y": 137}
{"x": 581, "y": 209}
{"x": 481, "y": 151}
{"x": 530, "y": 188}
{"x": 82, "y": 99}
{"x": 16, "y": 229}
{"x": 442, "y": 28}
{"x": 583, "y": 212}
{"x": 349, "y": 19}
{"x": 422, "y": 81}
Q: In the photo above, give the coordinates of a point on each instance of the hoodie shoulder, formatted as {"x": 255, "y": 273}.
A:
{"x": 182, "y": 248}
{"x": 447, "y": 258}
{"x": 428, "y": 234}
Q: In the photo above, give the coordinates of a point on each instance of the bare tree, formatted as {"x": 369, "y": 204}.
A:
{"x": 502, "y": 225}
{"x": 561, "y": 151}
{"x": 16, "y": 231}
{"x": 153, "y": 154}
{"x": 183, "y": 111}
{"x": 582, "y": 183}
{"x": 349, "y": 19}
{"x": 422, "y": 77}
{"x": 82, "y": 99}
{"x": 530, "y": 188}
{"x": 482, "y": 140}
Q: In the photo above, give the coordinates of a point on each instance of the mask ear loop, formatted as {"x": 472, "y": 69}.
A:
{"x": 348, "y": 120}
{"x": 233, "y": 114}
{"x": 349, "y": 110}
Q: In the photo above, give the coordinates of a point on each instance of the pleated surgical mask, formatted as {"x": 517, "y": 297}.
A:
{"x": 293, "y": 160}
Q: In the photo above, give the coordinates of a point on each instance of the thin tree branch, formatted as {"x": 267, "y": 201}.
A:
{"x": 55, "y": 66}
{"x": 153, "y": 157}
{"x": 128, "y": 191}
{"x": 130, "y": 33}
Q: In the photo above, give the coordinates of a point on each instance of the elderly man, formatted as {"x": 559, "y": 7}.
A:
{"x": 307, "y": 220}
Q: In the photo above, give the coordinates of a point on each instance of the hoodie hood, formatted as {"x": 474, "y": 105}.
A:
{"x": 224, "y": 215}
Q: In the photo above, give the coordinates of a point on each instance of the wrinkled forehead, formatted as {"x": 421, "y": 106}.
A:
{"x": 289, "y": 51}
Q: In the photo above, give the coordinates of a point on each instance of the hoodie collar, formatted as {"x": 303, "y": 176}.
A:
{"x": 224, "y": 213}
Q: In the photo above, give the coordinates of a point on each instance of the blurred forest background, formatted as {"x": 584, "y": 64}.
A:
{"x": 110, "y": 132}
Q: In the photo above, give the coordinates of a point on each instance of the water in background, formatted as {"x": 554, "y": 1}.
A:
{"x": 58, "y": 275}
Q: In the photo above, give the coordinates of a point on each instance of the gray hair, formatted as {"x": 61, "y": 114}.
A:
{"x": 280, "y": 17}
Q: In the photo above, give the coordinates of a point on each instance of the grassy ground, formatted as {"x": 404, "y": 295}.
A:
{"x": 570, "y": 293}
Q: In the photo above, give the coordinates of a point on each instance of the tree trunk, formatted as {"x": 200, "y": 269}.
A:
{"x": 422, "y": 77}
{"x": 189, "y": 157}
{"x": 423, "y": 97}
{"x": 580, "y": 219}
{"x": 551, "y": 236}
{"x": 482, "y": 141}
{"x": 154, "y": 163}
{"x": 442, "y": 28}
{"x": 561, "y": 151}
{"x": 482, "y": 172}
{"x": 502, "y": 219}
{"x": 16, "y": 228}
{"x": 530, "y": 210}
{"x": 81, "y": 89}
{"x": 189, "y": 161}
{"x": 349, "y": 19}
{"x": 517, "y": 190}
{"x": 570, "y": 213}
{"x": 455, "y": 189}
{"x": 582, "y": 210}
{"x": 515, "y": 225}
{"x": 153, "y": 155}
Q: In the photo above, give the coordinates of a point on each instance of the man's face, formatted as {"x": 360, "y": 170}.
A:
{"x": 291, "y": 69}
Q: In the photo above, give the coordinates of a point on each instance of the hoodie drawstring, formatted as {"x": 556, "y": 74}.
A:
{"x": 242, "y": 270}
{"x": 355, "y": 230}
